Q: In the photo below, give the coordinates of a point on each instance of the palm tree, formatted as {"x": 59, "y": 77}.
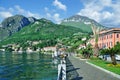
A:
{"x": 96, "y": 31}
{"x": 115, "y": 50}
{"x": 112, "y": 52}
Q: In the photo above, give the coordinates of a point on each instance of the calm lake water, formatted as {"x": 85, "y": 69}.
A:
{"x": 34, "y": 66}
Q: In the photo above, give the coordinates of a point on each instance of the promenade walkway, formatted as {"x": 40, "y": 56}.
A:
{"x": 79, "y": 70}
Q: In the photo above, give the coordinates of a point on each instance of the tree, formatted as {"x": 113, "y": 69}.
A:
{"x": 86, "y": 52}
{"x": 96, "y": 31}
{"x": 112, "y": 52}
{"x": 117, "y": 48}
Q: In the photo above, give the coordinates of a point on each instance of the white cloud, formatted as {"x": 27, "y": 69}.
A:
{"x": 107, "y": 15}
{"x": 52, "y": 15}
{"x": 106, "y": 2}
{"x": 19, "y": 9}
{"x": 48, "y": 15}
{"x": 57, "y": 18}
{"x": 5, "y": 14}
{"x": 11, "y": 9}
{"x": 29, "y": 14}
{"x": 2, "y": 8}
{"x": 46, "y": 9}
{"x": 105, "y": 12}
{"x": 59, "y": 5}
{"x": 26, "y": 13}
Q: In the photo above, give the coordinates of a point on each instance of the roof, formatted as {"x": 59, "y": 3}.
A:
{"x": 110, "y": 30}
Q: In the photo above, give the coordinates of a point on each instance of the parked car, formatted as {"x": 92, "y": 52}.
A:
{"x": 105, "y": 57}
{"x": 117, "y": 57}
{"x": 108, "y": 58}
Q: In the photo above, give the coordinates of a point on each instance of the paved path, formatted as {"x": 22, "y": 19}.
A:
{"x": 80, "y": 70}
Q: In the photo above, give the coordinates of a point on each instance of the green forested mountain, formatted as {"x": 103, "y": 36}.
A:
{"x": 14, "y": 24}
{"x": 27, "y": 32}
{"x": 43, "y": 31}
{"x": 82, "y": 22}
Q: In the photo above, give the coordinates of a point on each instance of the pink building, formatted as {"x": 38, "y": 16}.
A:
{"x": 107, "y": 38}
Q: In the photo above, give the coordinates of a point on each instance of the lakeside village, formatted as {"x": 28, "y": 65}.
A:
{"x": 107, "y": 39}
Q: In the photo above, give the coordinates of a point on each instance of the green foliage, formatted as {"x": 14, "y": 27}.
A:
{"x": 105, "y": 65}
{"x": 74, "y": 40}
{"x": 81, "y": 25}
{"x": 86, "y": 52}
{"x": 117, "y": 48}
{"x": 114, "y": 50}
{"x": 43, "y": 30}
{"x": 82, "y": 22}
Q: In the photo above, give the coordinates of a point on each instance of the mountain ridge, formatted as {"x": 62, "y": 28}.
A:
{"x": 81, "y": 22}
{"x": 43, "y": 31}
{"x": 14, "y": 24}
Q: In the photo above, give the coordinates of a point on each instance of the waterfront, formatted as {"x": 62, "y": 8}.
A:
{"x": 33, "y": 66}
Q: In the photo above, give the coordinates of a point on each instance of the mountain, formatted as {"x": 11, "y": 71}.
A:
{"x": 42, "y": 30}
{"x": 82, "y": 22}
{"x": 14, "y": 24}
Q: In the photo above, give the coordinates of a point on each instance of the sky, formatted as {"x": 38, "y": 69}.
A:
{"x": 105, "y": 12}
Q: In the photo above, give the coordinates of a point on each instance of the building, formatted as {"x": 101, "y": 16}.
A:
{"x": 49, "y": 48}
{"x": 107, "y": 38}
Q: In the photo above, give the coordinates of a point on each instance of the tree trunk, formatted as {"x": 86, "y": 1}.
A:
{"x": 96, "y": 50}
{"x": 113, "y": 59}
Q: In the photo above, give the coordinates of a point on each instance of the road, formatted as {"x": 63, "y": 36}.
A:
{"x": 80, "y": 70}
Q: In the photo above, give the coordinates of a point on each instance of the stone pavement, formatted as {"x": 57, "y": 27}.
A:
{"x": 80, "y": 70}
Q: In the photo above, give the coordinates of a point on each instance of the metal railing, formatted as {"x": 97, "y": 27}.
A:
{"x": 62, "y": 71}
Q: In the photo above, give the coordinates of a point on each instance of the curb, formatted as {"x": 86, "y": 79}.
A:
{"x": 109, "y": 72}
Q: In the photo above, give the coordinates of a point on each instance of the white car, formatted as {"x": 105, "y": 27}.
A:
{"x": 117, "y": 57}
{"x": 108, "y": 58}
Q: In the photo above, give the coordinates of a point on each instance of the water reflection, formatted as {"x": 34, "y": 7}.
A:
{"x": 27, "y": 66}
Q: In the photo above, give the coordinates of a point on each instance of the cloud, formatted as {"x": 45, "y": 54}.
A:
{"x": 52, "y": 15}
{"x": 2, "y": 8}
{"x": 105, "y": 12}
{"x": 46, "y": 9}
{"x": 19, "y": 9}
{"x": 5, "y": 14}
{"x": 11, "y": 10}
{"x": 26, "y": 13}
{"x": 48, "y": 15}
{"x": 59, "y": 5}
{"x": 29, "y": 14}
{"x": 57, "y": 18}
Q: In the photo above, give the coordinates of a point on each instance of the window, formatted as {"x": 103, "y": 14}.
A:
{"x": 110, "y": 44}
{"x": 107, "y": 44}
{"x": 117, "y": 35}
{"x": 104, "y": 37}
{"x": 111, "y": 36}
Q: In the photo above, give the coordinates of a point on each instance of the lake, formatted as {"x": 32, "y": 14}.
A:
{"x": 32, "y": 66}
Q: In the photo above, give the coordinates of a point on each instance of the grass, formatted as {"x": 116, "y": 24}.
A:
{"x": 106, "y": 65}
